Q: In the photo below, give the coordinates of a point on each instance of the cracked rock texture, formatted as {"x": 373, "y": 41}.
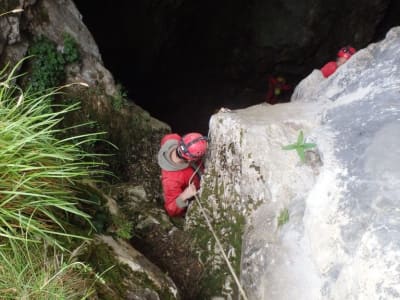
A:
{"x": 341, "y": 239}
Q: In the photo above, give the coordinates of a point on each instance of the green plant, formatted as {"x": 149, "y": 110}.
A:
{"x": 283, "y": 217}
{"x": 48, "y": 64}
{"x": 300, "y": 146}
{"x": 119, "y": 98}
{"x": 39, "y": 171}
{"x": 70, "y": 51}
{"x": 123, "y": 227}
{"x": 41, "y": 167}
{"x": 35, "y": 271}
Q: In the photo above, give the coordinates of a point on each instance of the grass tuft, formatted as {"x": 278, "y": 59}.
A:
{"x": 36, "y": 271}
{"x": 41, "y": 167}
{"x": 39, "y": 170}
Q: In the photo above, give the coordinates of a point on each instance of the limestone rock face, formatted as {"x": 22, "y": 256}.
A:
{"x": 328, "y": 228}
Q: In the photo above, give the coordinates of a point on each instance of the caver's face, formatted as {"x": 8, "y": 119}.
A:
{"x": 341, "y": 60}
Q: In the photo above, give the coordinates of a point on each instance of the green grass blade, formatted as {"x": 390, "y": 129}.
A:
{"x": 309, "y": 145}
{"x": 300, "y": 138}
{"x": 300, "y": 152}
{"x": 290, "y": 147}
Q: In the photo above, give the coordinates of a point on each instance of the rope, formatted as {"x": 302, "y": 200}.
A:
{"x": 221, "y": 249}
{"x": 241, "y": 290}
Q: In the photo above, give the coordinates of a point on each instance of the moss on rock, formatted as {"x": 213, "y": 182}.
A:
{"x": 131, "y": 129}
{"x": 228, "y": 224}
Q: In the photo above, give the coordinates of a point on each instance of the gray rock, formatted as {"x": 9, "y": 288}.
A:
{"x": 341, "y": 239}
{"x": 141, "y": 280}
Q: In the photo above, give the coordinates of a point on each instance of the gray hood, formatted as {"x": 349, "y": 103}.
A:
{"x": 164, "y": 157}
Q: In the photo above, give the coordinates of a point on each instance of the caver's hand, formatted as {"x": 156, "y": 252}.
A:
{"x": 189, "y": 192}
{"x": 183, "y": 199}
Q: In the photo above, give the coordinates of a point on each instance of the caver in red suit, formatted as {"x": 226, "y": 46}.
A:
{"x": 276, "y": 87}
{"x": 342, "y": 56}
{"x": 179, "y": 157}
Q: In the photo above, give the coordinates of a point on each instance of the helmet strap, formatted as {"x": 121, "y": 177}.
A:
{"x": 178, "y": 153}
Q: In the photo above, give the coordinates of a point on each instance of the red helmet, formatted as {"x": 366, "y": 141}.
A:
{"x": 192, "y": 146}
{"x": 346, "y": 52}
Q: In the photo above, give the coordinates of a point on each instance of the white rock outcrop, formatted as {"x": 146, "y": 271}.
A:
{"x": 342, "y": 237}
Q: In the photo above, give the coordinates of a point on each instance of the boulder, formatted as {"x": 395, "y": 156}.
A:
{"x": 325, "y": 228}
{"x": 126, "y": 272}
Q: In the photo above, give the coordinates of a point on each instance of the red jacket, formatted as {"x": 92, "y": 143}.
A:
{"x": 174, "y": 183}
{"x": 329, "y": 68}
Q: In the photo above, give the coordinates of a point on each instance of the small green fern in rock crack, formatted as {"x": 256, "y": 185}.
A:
{"x": 300, "y": 146}
{"x": 123, "y": 227}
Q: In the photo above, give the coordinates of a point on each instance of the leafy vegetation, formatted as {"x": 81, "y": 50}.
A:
{"x": 41, "y": 167}
{"x": 70, "y": 51}
{"x": 48, "y": 64}
{"x": 300, "y": 146}
{"x": 123, "y": 227}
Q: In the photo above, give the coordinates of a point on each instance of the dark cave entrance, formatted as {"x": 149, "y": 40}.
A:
{"x": 189, "y": 70}
{"x": 183, "y": 60}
